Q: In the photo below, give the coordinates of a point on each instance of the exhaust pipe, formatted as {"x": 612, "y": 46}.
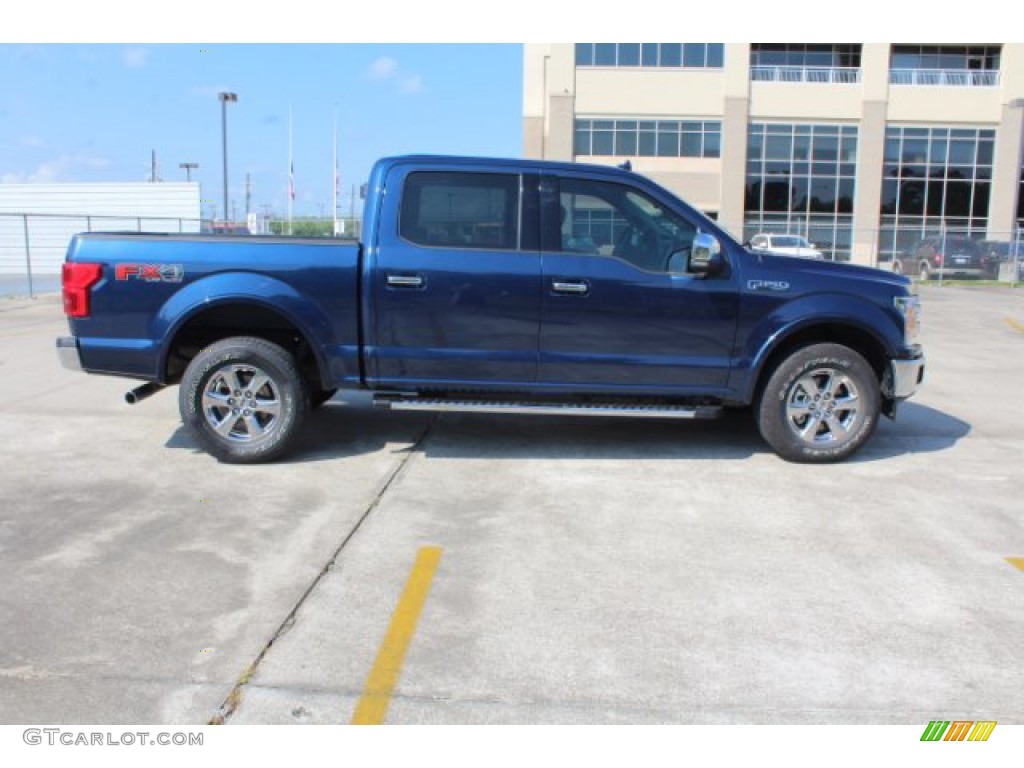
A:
{"x": 140, "y": 393}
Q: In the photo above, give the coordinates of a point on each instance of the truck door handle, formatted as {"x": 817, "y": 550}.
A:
{"x": 405, "y": 281}
{"x": 573, "y": 287}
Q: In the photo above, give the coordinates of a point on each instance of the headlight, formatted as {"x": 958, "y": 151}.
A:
{"x": 910, "y": 308}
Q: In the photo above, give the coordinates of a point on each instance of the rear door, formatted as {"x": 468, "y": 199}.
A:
{"x": 456, "y": 279}
{"x": 620, "y": 313}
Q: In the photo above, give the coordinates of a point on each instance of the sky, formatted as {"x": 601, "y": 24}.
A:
{"x": 95, "y": 112}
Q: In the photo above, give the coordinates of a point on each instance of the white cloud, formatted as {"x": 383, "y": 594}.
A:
{"x": 91, "y": 162}
{"x": 30, "y": 140}
{"x": 383, "y": 68}
{"x": 63, "y": 168}
{"x": 387, "y": 70}
{"x": 134, "y": 58}
{"x": 411, "y": 84}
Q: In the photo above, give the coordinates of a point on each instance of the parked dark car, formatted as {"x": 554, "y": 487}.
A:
{"x": 948, "y": 257}
{"x": 998, "y": 252}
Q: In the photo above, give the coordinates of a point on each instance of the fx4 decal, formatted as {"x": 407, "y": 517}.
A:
{"x": 151, "y": 273}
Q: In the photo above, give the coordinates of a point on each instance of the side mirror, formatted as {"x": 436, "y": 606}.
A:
{"x": 705, "y": 256}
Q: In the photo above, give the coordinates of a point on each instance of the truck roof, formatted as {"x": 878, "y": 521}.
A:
{"x": 519, "y": 163}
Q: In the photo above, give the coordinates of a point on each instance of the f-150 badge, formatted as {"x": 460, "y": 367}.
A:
{"x": 767, "y": 285}
{"x": 151, "y": 273}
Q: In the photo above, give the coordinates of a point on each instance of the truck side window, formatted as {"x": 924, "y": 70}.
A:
{"x": 612, "y": 219}
{"x": 461, "y": 210}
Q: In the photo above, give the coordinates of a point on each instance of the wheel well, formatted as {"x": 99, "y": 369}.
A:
{"x": 227, "y": 320}
{"x": 827, "y": 333}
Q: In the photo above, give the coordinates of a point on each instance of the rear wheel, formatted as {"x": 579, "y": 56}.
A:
{"x": 242, "y": 400}
{"x": 820, "y": 405}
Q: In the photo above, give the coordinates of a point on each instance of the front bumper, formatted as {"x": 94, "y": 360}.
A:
{"x": 903, "y": 377}
{"x": 67, "y": 353}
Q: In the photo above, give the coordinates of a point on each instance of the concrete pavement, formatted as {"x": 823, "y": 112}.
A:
{"x": 592, "y": 570}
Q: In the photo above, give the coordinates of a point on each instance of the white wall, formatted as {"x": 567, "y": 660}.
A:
{"x": 55, "y": 212}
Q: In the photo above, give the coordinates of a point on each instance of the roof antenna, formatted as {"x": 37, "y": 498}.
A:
{"x": 626, "y": 166}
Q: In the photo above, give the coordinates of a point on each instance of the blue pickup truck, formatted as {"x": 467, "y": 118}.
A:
{"x": 497, "y": 286}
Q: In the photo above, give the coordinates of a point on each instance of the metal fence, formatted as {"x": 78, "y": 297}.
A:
{"x": 33, "y": 245}
{"x": 956, "y": 77}
{"x": 938, "y": 253}
{"x": 790, "y": 74}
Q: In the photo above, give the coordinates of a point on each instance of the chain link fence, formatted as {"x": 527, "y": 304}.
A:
{"x": 937, "y": 254}
{"x": 33, "y": 245}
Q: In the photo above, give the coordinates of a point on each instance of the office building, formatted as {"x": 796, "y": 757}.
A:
{"x": 864, "y": 148}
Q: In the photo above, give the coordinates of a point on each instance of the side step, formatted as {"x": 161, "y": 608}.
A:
{"x": 628, "y": 410}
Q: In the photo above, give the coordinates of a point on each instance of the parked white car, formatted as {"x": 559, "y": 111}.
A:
{"x": 785, "y": 245}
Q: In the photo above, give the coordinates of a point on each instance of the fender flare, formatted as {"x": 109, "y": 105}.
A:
{"x": 240, "y": 288}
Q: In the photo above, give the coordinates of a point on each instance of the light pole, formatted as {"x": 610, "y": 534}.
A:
{"x": 225, "y": 97}
{"x": 189, "y": 167}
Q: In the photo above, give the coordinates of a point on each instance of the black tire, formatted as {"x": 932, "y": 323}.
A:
{"x": 820, "y": 405}
{"x": 320, "y": 396}
{"x": 244, "y": 425}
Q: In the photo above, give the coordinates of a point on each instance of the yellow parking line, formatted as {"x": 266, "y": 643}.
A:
{"x": 373, "y": 705}
{"x": 1014, "y": 324}
{"x": 1016, "y": 562}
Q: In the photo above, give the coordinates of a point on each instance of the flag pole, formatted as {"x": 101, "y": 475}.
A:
{"x": 334, "y": 184}
{"x": 291, "y": 171}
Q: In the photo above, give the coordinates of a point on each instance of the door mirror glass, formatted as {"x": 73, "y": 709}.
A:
{"x": 706, "y": 255}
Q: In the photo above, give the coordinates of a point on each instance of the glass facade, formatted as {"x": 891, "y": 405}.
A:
{"x": 805, "y": 55}
{"x": 695, "y": 55}
{"x": 934, "y": 179}
{"x": 953, "y": 57}
{"x": 648, "y": 138}
{"x": 801, "y": 180}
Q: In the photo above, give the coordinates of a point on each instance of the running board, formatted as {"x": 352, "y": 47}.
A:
{"x": 634, "y": 411}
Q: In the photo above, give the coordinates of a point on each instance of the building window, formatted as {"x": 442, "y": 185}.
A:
{"x": 945, "y": 65}
{"x": 803, "y": 63}
{"x": 688, "y": 55}
{"x": 461, "y": 210}
{"x": 801, "y": 180}
{"x": 802, "y": 55}
{"x": 934, "y": 179}
{"x": 648, "y": 138}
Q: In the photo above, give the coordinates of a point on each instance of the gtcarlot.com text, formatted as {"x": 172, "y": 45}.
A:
{"x": 59, "y": 736}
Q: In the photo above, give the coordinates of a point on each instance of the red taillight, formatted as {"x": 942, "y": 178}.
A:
{"x": 77, "y": 279}
{"x": 938, "y": 259}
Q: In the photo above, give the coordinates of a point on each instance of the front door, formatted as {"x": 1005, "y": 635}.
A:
{"x": 619, "y": 311}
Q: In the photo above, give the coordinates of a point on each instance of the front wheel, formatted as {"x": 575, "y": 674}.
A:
{"x": 820, "y": 405}
{"x": 243, "y": 400}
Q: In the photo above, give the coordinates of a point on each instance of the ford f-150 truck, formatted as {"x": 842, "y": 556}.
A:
{"x": 508, "y": 286}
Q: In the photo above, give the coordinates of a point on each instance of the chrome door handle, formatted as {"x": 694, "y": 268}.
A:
{"x": 574, "y": 288}
{"x": 405, "y": 281}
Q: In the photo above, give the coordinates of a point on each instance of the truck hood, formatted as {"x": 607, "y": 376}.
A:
{"x": 804, "y": 253}
{"x": 832, "y": 270}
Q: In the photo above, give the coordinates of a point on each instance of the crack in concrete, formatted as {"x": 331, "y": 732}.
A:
{"x": 234, "y": 698}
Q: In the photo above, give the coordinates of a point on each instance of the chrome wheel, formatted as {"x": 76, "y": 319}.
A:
{"x": 822, "y": 408}
{"x": 242, "y": 403}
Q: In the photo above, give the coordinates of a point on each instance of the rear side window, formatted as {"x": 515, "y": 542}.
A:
{"x": 461, "y": 210}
